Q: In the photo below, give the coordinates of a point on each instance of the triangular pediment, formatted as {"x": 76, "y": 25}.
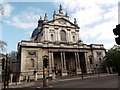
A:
{"x": 62, "y": 22}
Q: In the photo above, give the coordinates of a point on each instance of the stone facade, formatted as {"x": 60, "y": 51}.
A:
{"x": 59, "y": 40}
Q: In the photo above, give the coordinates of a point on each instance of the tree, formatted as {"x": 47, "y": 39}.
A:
{"x": 2, "y": 46}
{"x": 12, "y": 56}
{"x": 112, "y": 58}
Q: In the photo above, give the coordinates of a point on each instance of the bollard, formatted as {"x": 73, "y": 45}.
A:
{"x": 45, "y": 83}
{"x": 82, "y": 75}
{"x": 45, "y": 79}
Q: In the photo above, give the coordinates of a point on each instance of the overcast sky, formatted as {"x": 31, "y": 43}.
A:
{"x": 96, "y": 19}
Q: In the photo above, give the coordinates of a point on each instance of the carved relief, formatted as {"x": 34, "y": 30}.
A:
{"x": 99, "y": 53}
{"x": 62, "y": 21}
{"x": 32, "y": 53}
{"x": 51, "y": 31}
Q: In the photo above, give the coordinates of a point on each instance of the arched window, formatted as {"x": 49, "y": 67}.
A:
{"x": 51, "y": 37}
{"x": 63, "y": 35}
{"x": 73, "y": 38}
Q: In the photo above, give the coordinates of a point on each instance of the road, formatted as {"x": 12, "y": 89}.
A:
{"x": 96, "y": 82}
{"x": 109, "y": 82}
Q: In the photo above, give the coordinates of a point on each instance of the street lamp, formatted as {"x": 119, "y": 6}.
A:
{"x": 6, "y": 73}
{"x": 97, "y": 68}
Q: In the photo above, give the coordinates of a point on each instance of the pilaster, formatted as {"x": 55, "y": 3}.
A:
{"x": 11, "y": 78}
{"x": 87, "y": 64}
{"x": 63, "y": 65}
{"x": 35, "y": 76}
{"x": 77, "y": 64}
{"x": 79, "y": 68}
{"x": 70, "y": 36}
{"x": 52, "y": 65}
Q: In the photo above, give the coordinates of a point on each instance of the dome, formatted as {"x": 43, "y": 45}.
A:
{"x": 35, "y": 33}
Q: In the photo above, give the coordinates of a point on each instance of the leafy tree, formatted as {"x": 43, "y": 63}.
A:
{"x": 2, "y": 46}
{"x": 112, "y": 58}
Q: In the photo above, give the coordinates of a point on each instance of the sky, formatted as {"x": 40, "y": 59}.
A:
{"x": 96, "y": 19}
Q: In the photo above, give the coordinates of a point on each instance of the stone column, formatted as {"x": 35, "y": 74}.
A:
{"x": 63, "y": 64}
{"x": 61, "y": 61}
{"x": 67, "y": 38}
{"x": 11, "y": 78}
{"x": 26, "y": 78}
{"x": 52, "y": 64}
{"x": 78, "y": 63}
{"x": 75, "y": 61}
{"x": 45, "y": 34}
{"x": 78, "y": 35}
{"x": 52, "y": 59}
{"x": 64, "y": 61}
{"x": 35, "y": 76}
{"x": 70, "y": 36}
{"x": 55, "y": 36}
{"x": 87, "y": 63}
{"x": 20, "y": 78}
{"x": 58, "y": 35}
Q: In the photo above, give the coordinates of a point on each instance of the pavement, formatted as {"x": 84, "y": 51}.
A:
{"x": 58, "y": 79}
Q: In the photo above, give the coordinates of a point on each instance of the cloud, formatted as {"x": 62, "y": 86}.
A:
{"x": 97, "y": 18}
{"x": 26, "y": 19}
{"x": 16, "y": 22}
{"x": 0, "y": 32}
{"x": 7, "y": 9}
{"x": 119, "y": 12}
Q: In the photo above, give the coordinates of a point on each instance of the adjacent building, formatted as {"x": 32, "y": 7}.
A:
{"x": 2, "y": 58}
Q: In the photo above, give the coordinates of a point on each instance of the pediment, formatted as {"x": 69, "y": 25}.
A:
{"x": 62, "y": 22}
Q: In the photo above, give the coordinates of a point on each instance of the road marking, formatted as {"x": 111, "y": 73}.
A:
{"x": 38, "y": 87}
{"x": 50, "y": 86}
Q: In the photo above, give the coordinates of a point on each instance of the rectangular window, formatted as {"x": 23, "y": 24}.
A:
{"x": 32, "y": 62}
{"x": 91, "y": 61}
{"x": 32, "y": 53}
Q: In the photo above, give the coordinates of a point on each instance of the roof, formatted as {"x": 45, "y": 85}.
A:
{"x": 35, "y": 33}
{"x": 65, "y": 20}
{"x": 2, "y": 55}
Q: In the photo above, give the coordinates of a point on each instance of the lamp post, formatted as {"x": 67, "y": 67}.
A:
{"x": 82, "y": 75}
{"x": 97, "y": 68}
{"x": 6, "y": 74}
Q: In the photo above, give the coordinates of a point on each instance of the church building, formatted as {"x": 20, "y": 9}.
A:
{"x": 59, "y": 40}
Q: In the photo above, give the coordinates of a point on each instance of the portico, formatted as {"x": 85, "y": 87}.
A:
{"x": 67, "y": 62}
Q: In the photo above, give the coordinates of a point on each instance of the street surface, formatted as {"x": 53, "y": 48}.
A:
{"x": 96, "y": 82}
{"x": 107, "y": 82}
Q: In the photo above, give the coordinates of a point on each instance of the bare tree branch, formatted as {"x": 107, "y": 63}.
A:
{"x": 2, "y": 46}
